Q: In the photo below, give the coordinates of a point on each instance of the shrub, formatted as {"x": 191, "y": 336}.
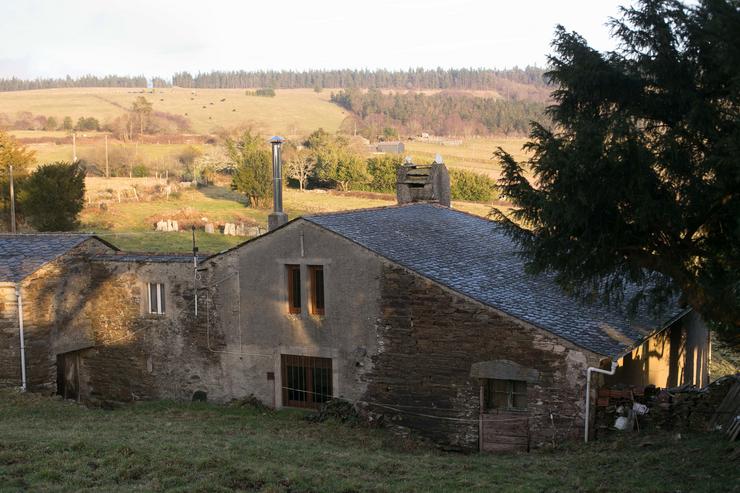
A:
{"x": 266, "y": 92}
{"x": 53, "y": 196}
{"x": 383, "y": 170}
{"x": 139, "y": 171}
{"x": 467, "y": 185}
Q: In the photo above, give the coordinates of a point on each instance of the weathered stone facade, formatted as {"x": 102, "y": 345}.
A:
{"x": 429, "y": 338}
{"x": 399, "y": 344}
{"x": 52, "y": 303}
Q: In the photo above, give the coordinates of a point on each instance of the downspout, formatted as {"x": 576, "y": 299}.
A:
{"x": 19, "y": 298}
{"x": 592, "y": 369}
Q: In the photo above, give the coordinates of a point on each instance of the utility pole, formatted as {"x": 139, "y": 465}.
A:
{"x": 195, "y": 272}
{"x": 74, "y": 147}
{"x": 107, "y": 173}
{"x": 12, "y": 202}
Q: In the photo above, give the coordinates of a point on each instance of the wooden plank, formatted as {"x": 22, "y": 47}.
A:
{"x": 503, "y": 447}
{"x": 728, "y": 408}
{"x": 521, "y": 440}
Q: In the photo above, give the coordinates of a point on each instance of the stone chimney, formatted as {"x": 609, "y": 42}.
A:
{"x": 277, "y": 217}
{"x": 423, "y": 182}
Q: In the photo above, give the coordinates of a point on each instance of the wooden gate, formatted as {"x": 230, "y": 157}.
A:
{"x": 504, "y": 432}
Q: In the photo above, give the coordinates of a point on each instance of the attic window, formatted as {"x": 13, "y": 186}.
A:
{"x": 156, "y": 298}
{"x": 505, "y": 395}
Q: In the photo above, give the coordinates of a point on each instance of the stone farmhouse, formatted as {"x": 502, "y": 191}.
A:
{"x": 419, "y": 314}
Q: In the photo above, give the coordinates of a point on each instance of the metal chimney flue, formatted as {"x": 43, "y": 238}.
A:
{"x": 277, "y": 217}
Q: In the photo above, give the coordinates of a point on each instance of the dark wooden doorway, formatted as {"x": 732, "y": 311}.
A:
{"x": 68, "y": 375}
{"x": 501, "y": 429}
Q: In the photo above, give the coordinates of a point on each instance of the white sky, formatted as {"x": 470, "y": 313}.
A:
{"x": 43, "y": 38}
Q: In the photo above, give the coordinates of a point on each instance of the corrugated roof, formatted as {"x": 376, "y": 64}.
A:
{"x": 476, "y": 258}
{"x": 23, "y": 254}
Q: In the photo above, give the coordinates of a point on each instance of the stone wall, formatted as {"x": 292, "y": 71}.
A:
{"x": 429, "y": 338}
{"x": 138, "y": 355}
{"x": 10, "y": 369}
{"x": 52, "y": 299}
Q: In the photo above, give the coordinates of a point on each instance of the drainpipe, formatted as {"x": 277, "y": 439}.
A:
{"x": 592, "y": 369}
{"x": 19, "y": 297}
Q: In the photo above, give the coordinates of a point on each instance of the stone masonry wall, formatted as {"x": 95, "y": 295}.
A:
{"x": 10, "y": 370}
{"x": 428, "y": 338}
{"x": 138, "y": 355}
{"x": 51, "y": 304}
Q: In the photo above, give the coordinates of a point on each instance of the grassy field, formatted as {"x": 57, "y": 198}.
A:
{"x": 474, "y": 154}
{"x": 291, "y": 112}
{"x": 130, "y": 224}
{"x": 50, "y": 445}
{"x": 147, "y": 153}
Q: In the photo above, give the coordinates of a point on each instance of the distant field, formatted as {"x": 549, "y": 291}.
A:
{"x": 149, "y": 153}
{"x": 290, "y": 112}
{"x": 130, "y": 225}
{"x": 474, "y": 154}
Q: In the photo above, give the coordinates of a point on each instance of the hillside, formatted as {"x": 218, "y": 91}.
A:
{"x": 290, "y": 112}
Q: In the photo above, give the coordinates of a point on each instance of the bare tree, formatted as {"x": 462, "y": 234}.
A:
{"x": 300, "y": 167}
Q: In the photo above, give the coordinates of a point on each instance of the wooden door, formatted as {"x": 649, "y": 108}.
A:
{"x": 504, "y": 432}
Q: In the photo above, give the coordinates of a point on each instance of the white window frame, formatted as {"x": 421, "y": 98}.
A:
{"x": 159, "y": 290}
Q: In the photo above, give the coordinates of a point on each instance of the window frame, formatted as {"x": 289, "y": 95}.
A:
{"x": 308, "y": 368}
{"x": 513, "y": 393}
{"x": 295, "y": 304}
{"x": 161, "y": 305}
{"x": 314, "y": 307}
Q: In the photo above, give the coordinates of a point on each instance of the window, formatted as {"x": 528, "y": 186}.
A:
{"x": 307, "y": 381}
{"x": 505, "y": 395}
{"x": 294, "y": 288}
{"x": 317, "y": 289}
{"x": 156, "y": 298}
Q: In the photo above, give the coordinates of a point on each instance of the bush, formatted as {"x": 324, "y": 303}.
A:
{"x": 383, "y": 170}
{"x": 467, "y": 185}
{"x": 53, "y": 196}
{"x": 139, "y": 171}
{"x": 253, "y": 168}
{"x": 266, "y": 93}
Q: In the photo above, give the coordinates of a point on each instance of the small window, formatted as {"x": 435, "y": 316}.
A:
{"x": 506, "y": 395}
{"x": 156, "y": 298}
{"x": 317, "y": 289}
{"x": 294, "y": 288}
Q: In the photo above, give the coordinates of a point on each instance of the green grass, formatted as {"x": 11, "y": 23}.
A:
{"x": 130, "y": 225}
{"x": 49, "y": 445}
{"x": 474, "y": 154}
{"x": 290, "y": 112}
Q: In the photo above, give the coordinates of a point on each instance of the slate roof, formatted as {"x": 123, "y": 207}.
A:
{"x": 474, "y": 257}
{"x": 156, "y": 258}
{"x": 23, "y": 254}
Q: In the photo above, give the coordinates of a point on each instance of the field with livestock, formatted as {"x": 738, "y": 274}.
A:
{"x": 291, "y": 111}
{"x": 148, "y": 176}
